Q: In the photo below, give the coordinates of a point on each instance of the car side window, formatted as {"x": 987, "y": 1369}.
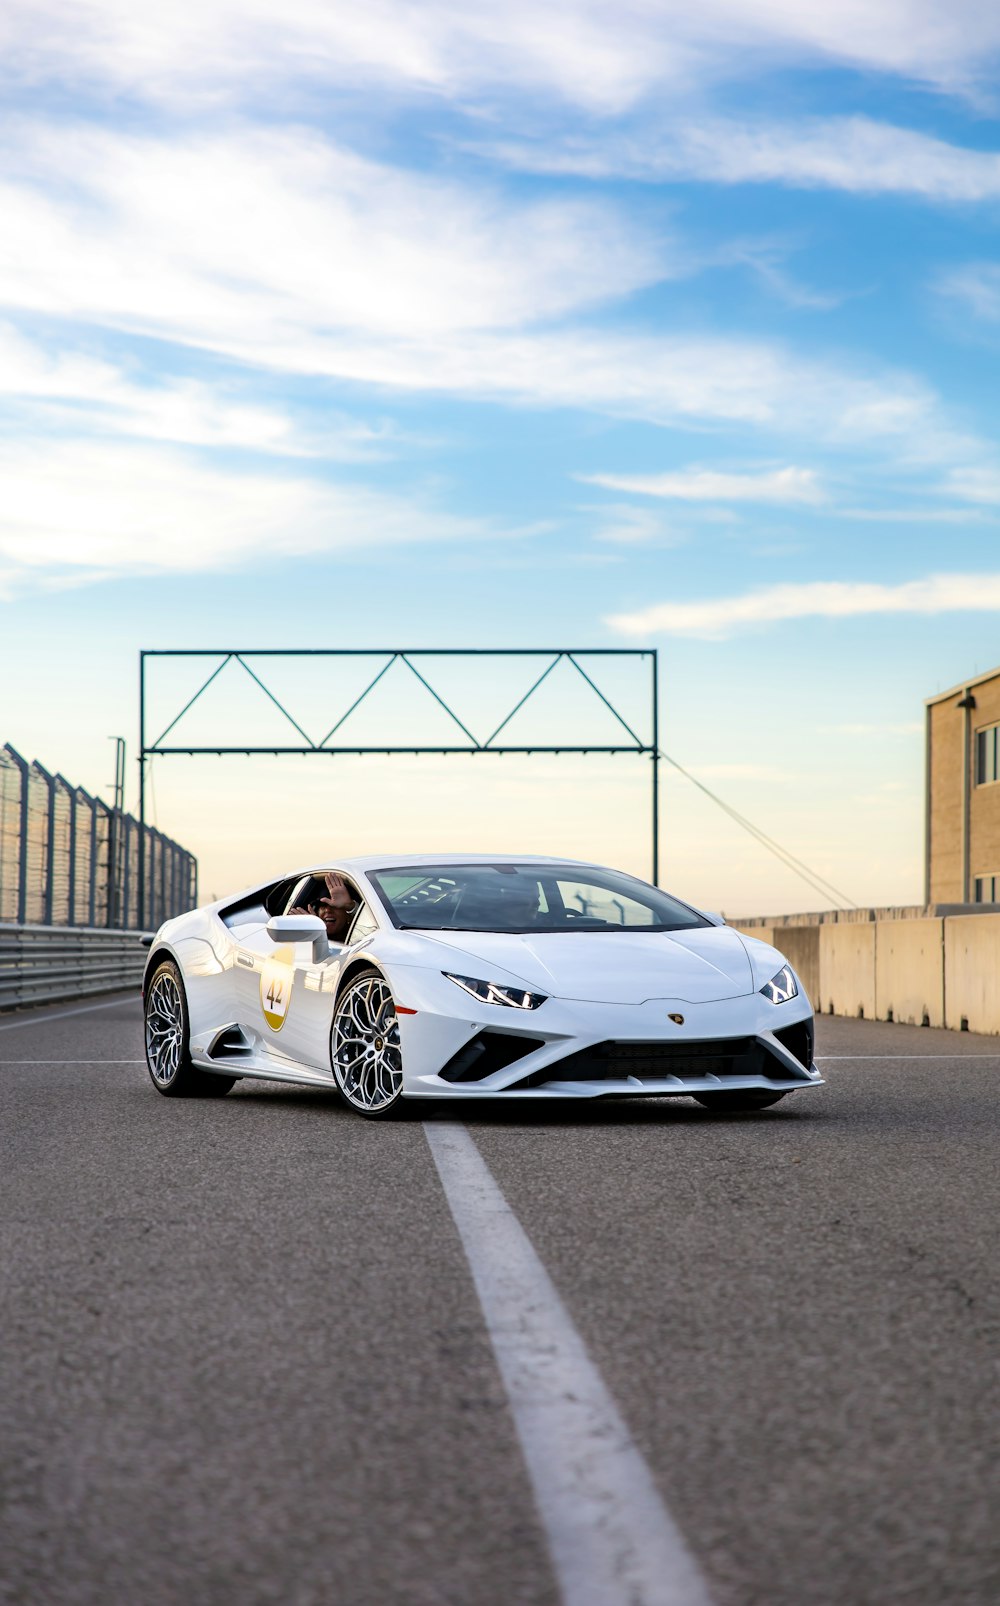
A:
{"x": 300, "y": 894}
{"x": 308, "y": 890}
{"x": 364, "y": 925}
{"x": 277, "y": 900}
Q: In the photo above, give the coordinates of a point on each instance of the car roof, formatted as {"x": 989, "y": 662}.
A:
{"x": 405, "y": 861}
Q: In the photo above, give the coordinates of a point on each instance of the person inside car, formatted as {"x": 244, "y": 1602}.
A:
{"x": 336, "y": 910}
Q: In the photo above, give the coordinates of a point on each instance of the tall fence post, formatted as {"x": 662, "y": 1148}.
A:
{"x": 22, "y": 846}
{"x": 71, "y": 887}
{"x": 50, "y": 842}
{"x": 92, "y": 889}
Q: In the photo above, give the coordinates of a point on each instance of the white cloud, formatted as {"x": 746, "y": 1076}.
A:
{"x": 911, "y": 515}
{"x": 976, "y": 483}
{"x": 284, "y": 252}
{"x": 660, "y": 378}
{"x": 856, "y": 154}
{"x": 782, "y": 485}
{"x": 603, "y": 55}
{"x": 624, "y": 524}
{"x": 96, "y": 510}
{"x": 72, "y": 388}
{"x": 830, "y": 599}
{"x": 270, "y": 238}
{"x": 977, "y": 285}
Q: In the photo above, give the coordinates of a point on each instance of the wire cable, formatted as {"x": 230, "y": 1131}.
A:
{"x": 797, "y": 866}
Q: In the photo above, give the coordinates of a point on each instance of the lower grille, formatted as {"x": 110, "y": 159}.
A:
{"x": 720, "y": 1057}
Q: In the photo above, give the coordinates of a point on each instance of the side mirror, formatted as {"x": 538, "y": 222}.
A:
{"x": 713, "y": 918}
{"x": 300, "y": 928}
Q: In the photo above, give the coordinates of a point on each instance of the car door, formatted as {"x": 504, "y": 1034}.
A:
{"x": 286, "y": 996}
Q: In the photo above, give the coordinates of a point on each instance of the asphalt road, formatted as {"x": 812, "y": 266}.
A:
{"x": 244, "y": 1360}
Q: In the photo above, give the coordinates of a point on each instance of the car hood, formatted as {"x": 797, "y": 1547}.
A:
{"x": 622, "y": 967}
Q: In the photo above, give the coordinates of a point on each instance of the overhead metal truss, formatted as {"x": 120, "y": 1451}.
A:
{"x": 470, "y": 744}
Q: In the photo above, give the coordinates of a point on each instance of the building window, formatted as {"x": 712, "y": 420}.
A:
{"x": 988, "y": 888}
{"x": 987, "y": 766}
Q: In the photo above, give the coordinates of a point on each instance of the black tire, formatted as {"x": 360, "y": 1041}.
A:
{"x": 748, "y": 1098}
{"x": 369, "y": 1078}
{"x": 166, "y": 1037}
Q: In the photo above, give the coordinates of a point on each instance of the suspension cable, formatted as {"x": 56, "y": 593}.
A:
{"x": 797, "y": 866}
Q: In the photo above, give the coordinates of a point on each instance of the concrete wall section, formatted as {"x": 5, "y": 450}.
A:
{"x": 909, "y": 971}
{"x": 927, "y": 966}
{"x": 972, "y": 973}
{"x": 846, "y": 969}
{"x": 762, "y": 933}
{"x": 800, "y": 946}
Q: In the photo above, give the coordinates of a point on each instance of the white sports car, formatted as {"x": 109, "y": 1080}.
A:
{"x": 513, "y": 978}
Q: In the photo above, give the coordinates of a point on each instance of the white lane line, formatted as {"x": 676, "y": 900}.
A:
{"x": 905, "y": 1059}
{"x": 613, "y": 1542}
{"x": 64, "y": 1014}
{"x": 74, "y": 1062}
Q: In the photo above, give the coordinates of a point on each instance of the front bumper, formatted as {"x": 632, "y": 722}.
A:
{"x": 580, "y": 1049}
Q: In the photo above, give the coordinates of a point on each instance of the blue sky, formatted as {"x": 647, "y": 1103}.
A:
{"x": 460, "y": 325}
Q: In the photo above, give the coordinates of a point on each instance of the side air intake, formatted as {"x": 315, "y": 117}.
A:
{"x": 486, "y": 1053}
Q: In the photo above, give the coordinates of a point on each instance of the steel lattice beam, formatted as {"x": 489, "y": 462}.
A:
{"x": 473, "y": 746}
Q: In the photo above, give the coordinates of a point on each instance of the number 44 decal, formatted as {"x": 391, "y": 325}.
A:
{"x": 275, "y": 993}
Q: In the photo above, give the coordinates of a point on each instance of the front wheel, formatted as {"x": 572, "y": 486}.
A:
{"x": 364, "y": 1047}
{"x": 749, "y": 1098}
{"x": 167, "y": 1041}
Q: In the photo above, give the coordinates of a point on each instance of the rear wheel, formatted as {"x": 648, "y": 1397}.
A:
{"x": 167, "y": 1040}
{"x": 364, "y": 1047}
{"x": 749, "y": 1098}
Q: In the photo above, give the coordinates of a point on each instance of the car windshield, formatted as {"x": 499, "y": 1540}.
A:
{"x": 526, "y": 897}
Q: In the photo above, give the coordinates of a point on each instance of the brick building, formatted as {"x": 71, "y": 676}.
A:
{"x": 963, "y": 793}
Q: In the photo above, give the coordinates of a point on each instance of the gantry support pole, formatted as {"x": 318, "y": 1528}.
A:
{"x": 141, "y": 886}
{"x": 656, "y": 770}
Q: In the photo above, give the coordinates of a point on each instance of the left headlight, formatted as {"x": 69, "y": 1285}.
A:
{"x": 781, "y": 987}
{"x": 495, "y": 992}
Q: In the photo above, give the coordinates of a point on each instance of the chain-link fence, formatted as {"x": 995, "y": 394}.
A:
{"x": 67, "y": 859}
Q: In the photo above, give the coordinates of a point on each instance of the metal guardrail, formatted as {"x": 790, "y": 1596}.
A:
{"x": 54, "y": 964}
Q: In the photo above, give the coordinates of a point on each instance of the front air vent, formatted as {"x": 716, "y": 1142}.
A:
{"x": 230, "y": 1044}
{"x": 486, "y": 1053}
{"x": 799, "y": 1040}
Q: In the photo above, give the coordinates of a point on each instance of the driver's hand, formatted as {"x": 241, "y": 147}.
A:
{"x": 340, "y": 895}
{"x": 298, "y": 910}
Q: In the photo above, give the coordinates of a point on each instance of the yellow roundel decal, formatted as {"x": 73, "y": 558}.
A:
{"x": 275, "y": 992}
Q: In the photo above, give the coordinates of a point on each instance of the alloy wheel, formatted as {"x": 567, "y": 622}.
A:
{"x": 367, "y": 1061}
{"x": 164, "y": 1028}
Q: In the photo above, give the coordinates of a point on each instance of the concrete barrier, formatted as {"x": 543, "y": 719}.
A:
{"x": 909, "y": 971}
{"x": 847, "y": 969}
{"x": 800, "y": 946}
{"x": 972, "y": 973}
{"x": 762, "y": 933}
{"x": 933, "y": 966}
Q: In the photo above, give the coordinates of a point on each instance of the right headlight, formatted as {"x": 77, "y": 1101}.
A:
{"x": 781, "y": 987}
{"x": 495, "y": 992}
